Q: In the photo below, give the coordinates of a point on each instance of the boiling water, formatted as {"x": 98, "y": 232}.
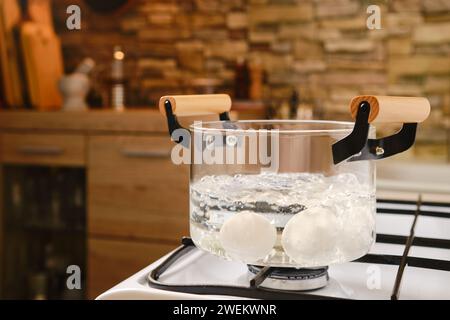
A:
{"x": 292, "y": 219}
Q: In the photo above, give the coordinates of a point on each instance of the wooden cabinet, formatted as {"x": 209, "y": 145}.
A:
{"x": 137, "y": 199}
{"x": 43, "y": 149}
{"x": 137, "y": 205}
{"x": 112, "y": 261}
{"x": 135, "y": 191}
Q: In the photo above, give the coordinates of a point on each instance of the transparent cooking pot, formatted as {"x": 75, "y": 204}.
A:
{"x": 286, "y": 193}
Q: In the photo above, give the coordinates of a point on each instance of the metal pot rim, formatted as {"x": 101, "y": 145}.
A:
{"x": 334, "y": 127}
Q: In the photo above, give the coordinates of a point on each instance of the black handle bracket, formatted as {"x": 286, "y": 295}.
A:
{"x": 356, "y": 146}
{"x": 172, "y": 121}
{"x": 173, "y": 124}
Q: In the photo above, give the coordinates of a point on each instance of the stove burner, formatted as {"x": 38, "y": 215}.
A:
{"x": 289, "y": 279}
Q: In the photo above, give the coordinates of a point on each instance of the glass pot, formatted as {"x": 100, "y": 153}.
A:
{"x": 285, "y": 193}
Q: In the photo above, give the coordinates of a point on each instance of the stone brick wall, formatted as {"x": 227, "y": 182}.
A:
{"x": 322, "y": 47}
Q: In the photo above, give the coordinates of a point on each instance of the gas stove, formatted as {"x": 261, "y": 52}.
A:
{"x": 410, "y": 260}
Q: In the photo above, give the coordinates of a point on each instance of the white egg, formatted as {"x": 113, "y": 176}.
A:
{"x": 356, "y": 237}
{"x": 248, "y": 236}
{"x": 310, "y": 237}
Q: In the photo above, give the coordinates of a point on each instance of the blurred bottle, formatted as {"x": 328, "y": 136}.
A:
{"x": 271, "y": 109}
{"x": 58, "y": 196}
{"x": 242, "y": 79}
{"x": 117, "y": 80}
{"x": 16, "y": 199}
{"x": 55, "y": 267}
{"x": 304, "y": 108}
{"x": 50, "y": 263}
{"x": 31, "y": 198}
{"x": 256, "y": 80}
{"x": 284, "y": 110}
{"x": 38, "y": 286}
{"x": 294, "y": 102}
{"x": 305, "y": 112}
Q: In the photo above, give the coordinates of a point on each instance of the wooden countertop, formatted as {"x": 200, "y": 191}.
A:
{"x": 92, "y": 120}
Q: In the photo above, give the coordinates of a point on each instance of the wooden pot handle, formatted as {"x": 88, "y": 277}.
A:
{"x": 386, "y": 109}
{"x": 187, "y": 105}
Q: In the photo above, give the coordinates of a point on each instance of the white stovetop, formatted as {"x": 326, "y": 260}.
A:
{"x": 348, "y": 280}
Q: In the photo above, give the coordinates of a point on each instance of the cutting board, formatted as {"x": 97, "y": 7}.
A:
{"x": 30, "y": 55}
{"x": 2, "y": 91}
{"x": 43, "y": 64}
{"x": 40, "y": 11}
{"x": 42, "y": 56}
{"x": 13, "y": 85}
{"x": 27, "y": 58}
